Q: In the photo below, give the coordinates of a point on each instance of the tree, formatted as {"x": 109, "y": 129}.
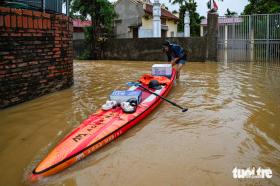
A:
{"x": 195, "y": 18}
{"x": 101, "y": 14}
{"x": 230, "y": 13}
{"x": 163, "y": 6}
{"x": 174, "y": 12}
{"x": 262, "y": 7}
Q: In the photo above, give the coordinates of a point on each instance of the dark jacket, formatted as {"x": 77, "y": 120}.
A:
{"x": 176, "y": 51}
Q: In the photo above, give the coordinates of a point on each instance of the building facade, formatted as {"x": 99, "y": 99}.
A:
{"x": 135, "y": 20}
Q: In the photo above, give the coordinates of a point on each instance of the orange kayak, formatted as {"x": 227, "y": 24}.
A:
{"x": 96, "y": 131}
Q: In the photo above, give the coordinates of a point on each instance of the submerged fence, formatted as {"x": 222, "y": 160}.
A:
{"x": 249, "y": 38}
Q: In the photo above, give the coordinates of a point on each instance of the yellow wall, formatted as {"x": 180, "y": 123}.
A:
{"x": 172, "y": 26}
{"x": 147, "y": 23}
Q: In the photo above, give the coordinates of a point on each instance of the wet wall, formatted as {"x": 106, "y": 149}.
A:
{"x": 150, "y": 49}
{"x": 36, "y": 55}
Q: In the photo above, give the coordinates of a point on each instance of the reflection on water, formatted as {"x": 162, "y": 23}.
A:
{"x": 233, "y": 120}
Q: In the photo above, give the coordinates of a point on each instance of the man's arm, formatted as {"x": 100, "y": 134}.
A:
{"x": 177, "y": 50}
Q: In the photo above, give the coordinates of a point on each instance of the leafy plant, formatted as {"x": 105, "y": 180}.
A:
{"x": 195, "y": 18}
{"x": 102, "y": 14}
{"x": 230, "y": 13}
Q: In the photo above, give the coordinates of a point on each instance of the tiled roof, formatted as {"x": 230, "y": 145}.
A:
{"x": 164, "y": 13}
{"x": 136, "y": 1}
{"x": 80, "y": 23}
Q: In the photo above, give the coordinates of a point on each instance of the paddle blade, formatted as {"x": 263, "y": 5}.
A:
{"x": 185, "y": 110}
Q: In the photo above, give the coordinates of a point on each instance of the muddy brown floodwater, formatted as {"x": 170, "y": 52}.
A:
{"x": 233, "y": 121}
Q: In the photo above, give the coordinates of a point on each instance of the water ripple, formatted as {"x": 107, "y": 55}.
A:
{"x": 233, "y": 120}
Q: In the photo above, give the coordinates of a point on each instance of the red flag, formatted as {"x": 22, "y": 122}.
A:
{"x": 215, "y": 5}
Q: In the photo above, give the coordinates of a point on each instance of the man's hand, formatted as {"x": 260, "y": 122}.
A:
{"x": 173, "y": 62}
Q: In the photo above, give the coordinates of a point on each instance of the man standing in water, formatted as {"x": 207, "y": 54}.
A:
{"x": 176, "y": 55}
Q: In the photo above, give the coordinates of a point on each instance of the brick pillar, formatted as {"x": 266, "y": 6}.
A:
{"x": 212, "y": 36}
{"x": 36, "y": 55}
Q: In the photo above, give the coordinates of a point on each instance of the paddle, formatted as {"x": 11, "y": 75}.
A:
{"x": 171, "y": 102}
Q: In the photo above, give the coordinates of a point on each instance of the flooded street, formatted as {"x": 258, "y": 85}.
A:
{"x": 233, "y": 121}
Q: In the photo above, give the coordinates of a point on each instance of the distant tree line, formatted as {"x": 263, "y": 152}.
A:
{"x": 262, "y": 7}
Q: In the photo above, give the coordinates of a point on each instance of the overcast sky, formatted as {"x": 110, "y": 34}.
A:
{"x": 233, "y": 5}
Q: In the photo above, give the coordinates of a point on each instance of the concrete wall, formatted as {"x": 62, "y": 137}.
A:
{"x": 79, "y": 47}
{"x": 212, "y": 37}
{"x": 145, "y": 33}
{"x": 36, "y": 55}
{"x": 129, "y": 14}
{"x": 78, "y": 35}
{"x": 149, "y": 49}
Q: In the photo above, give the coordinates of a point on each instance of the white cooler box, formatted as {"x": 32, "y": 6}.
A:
{"x": 162, "y": 70}
{"x": 124, "y": 95}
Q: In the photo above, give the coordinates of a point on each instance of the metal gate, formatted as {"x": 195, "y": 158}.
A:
{"x": 249, "y": 38}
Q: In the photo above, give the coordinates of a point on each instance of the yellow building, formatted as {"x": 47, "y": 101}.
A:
{"x": 135, "y": 20}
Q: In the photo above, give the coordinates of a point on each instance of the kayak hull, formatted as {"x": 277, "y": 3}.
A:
{"x": 38, "y": 172}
